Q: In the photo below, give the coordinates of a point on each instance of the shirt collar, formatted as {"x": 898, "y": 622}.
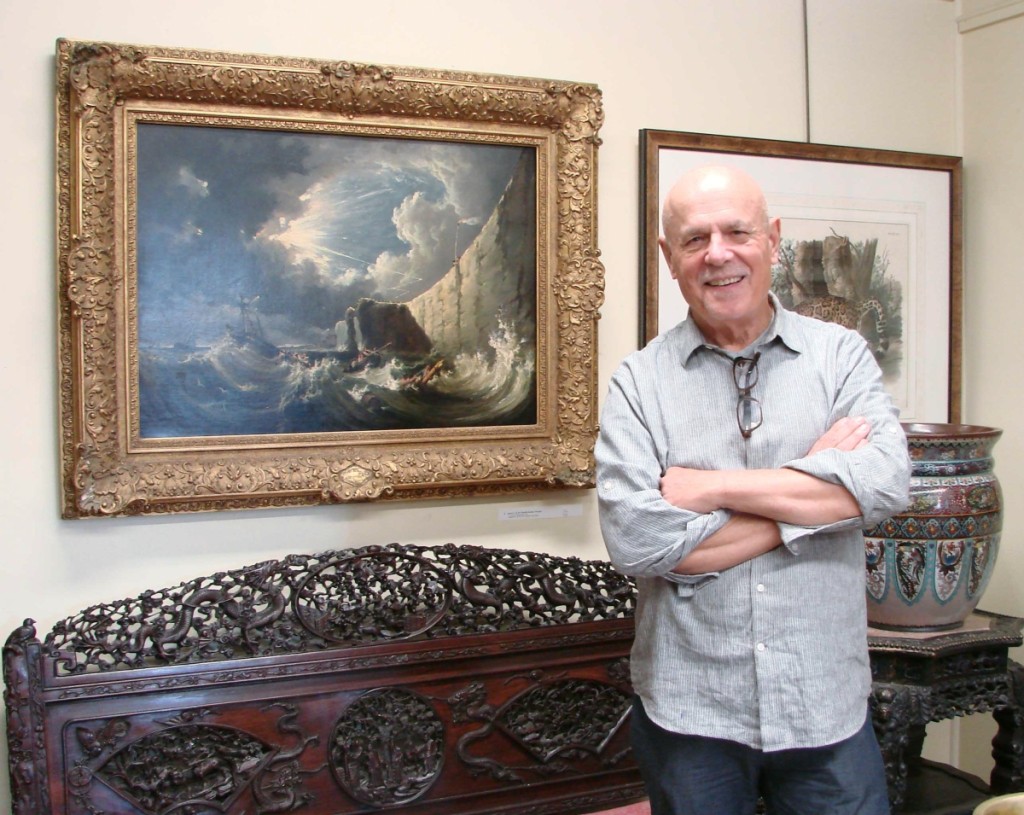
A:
{"x": 784, "y": 326}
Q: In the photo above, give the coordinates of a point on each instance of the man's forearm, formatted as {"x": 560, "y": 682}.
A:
{"x": 785, "y": 495}
{"x": 743, "y": 538}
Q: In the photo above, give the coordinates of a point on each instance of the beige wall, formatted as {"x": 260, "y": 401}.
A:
{"x": 992, "y": 43}
{"x": 883, "y": 74}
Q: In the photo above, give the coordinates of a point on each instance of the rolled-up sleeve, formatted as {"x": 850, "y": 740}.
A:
{"x": 646, "y": 536}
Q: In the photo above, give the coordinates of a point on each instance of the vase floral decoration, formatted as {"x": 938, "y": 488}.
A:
{"x": 928, "y": 566}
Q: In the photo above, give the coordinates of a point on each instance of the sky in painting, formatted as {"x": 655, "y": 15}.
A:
{"x": 306, "y": 223}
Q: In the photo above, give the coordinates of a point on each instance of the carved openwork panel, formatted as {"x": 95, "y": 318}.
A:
{"x": 569, "y": 718}
{"x": 340, "y": 598}
{"x": 188, "y": 763}
{"x": 388, "y": 747}
{"x": 381, "y": 595}
{"x": 191, "y": 762}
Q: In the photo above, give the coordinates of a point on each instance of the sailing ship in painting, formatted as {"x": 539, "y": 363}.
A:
{"x": 249, "y": 331}
{"x": 462, "y": 353}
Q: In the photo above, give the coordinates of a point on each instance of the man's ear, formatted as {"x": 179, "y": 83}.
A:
{"x": 775, "y": 237}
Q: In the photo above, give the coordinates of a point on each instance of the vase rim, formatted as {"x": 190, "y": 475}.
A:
{"x": 940, "y": 430}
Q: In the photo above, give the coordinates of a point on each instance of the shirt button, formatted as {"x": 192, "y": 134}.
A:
{"x": 761, "y": 646}
{"x": 760, "y": 588}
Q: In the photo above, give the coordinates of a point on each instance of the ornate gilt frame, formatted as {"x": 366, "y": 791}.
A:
{"x": 103, "y": 89}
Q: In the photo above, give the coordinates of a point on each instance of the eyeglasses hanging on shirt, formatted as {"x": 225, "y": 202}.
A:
{"x": 748, "y": 409}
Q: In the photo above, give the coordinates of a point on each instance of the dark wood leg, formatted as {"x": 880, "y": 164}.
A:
{"x": 1008, "y": 744}
{"x": 894, "y": 712}
{"x": 915, "y": 742}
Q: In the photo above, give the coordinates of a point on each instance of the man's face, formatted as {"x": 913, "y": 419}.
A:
{"x": 720, "y": 248}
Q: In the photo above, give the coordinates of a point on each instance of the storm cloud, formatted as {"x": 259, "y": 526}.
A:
{"x": 308, "y": 223}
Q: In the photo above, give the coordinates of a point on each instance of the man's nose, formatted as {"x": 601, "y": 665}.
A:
{"x": 718, "y": 252}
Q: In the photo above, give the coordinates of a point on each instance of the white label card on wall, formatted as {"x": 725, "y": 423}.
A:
{"x": 533, "y": 513}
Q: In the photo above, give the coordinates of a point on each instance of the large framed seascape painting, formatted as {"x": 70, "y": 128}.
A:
{"x": 287, "y": 281}
{"x": 871, "y": 239}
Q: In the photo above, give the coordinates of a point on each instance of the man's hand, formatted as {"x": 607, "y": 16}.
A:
{"x": 849, "y": 433}
{"x": 696, "y": 490}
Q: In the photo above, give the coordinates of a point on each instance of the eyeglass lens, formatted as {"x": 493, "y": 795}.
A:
{"x": 748, "y": 409}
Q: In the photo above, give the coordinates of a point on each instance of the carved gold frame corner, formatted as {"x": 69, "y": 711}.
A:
{"x": 103, "y": 89}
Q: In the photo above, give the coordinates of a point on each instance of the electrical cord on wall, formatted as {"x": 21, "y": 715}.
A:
{"x": 807, "y": 78}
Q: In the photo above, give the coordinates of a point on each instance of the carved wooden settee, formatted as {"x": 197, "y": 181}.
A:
{"x": 402, "y": 679}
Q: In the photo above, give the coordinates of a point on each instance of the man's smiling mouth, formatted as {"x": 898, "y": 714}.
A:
{"x": 725, "y": 281}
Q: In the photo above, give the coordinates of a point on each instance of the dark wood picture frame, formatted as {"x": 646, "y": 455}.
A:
{"x": 919, "y": 194}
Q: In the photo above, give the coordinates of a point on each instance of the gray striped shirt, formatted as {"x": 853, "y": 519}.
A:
{"x": 771, "y": 653}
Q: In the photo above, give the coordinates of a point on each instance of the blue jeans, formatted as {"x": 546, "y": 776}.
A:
{"x": 692, "y": 775}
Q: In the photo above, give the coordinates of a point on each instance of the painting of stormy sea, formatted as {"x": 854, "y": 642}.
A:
{"x": 293, "y": 282}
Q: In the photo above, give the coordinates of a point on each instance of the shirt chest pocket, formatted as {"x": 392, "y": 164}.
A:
{"x": 701, "y": 453}
{"x": 699, "y": 425}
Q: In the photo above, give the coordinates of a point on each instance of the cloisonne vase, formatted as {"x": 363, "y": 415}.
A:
{"x": 928, "y": 566}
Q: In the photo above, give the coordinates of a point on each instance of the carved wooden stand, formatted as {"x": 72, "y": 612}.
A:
{"x": 921, "y": 678}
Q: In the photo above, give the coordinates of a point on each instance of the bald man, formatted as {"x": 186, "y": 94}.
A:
{"x": 741, "y": 453}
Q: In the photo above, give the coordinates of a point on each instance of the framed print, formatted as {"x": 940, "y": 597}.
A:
{"x": 871, "y": 239}
{"x": 285, "y": 281}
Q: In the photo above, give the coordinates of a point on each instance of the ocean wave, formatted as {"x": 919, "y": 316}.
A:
{"x": 231, "y": 389}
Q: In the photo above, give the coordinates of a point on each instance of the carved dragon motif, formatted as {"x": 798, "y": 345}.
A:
{"x": 344, "y": 597}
